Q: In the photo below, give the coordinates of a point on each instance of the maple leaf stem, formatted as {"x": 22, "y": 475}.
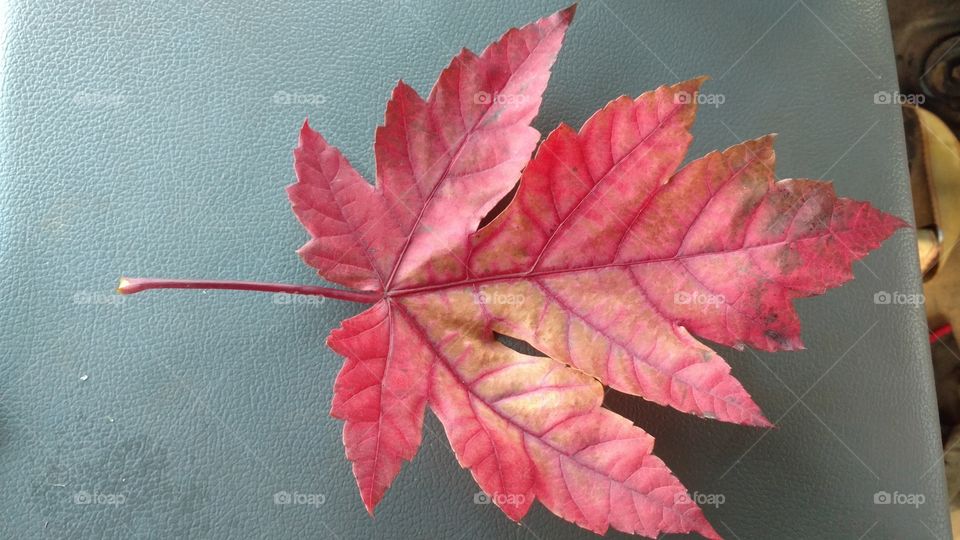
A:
{"x": 135, "y": 285}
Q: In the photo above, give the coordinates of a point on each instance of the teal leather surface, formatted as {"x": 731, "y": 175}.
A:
{"x": 154, "y": 139}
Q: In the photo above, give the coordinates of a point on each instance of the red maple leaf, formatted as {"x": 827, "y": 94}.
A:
{"x": 608, "y": 259}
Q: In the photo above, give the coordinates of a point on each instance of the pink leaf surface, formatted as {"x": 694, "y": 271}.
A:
{"x": 530, "y": 428}
{"x": 610, "y": 259}
{"x": 381, "y": 394}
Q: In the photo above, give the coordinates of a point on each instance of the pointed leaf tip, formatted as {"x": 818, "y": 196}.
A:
{"x": 568, "y": 13}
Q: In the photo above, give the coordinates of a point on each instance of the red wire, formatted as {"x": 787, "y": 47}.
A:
{"x": 935, "y": 335}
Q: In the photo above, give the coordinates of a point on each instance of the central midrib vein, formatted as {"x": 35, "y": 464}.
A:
{"x": 531, "y": 274}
